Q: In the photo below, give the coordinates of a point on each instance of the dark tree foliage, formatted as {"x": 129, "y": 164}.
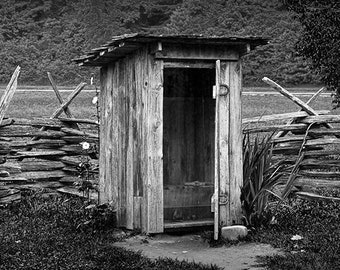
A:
{"x": 320, "y": 39}
{"x": 267, "y": 18}
{"x": 44, "y": 35}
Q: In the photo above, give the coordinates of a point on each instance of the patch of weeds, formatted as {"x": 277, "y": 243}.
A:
{"x": 40, "y": 233}
{"x": 317, "y": 222}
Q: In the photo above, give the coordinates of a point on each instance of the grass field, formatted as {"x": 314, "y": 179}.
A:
{"x": 43, "y": 104}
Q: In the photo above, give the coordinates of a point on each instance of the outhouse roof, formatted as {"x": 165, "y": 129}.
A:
{"x": 119, "y": 46}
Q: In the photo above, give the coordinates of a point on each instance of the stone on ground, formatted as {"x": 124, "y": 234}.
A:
{"x": 233, "y": 233}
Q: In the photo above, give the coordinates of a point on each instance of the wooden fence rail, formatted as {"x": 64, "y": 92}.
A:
{"x": 53, "y": 161}
{"x": 307, "y": 130}
{"x": 45, "y": 153}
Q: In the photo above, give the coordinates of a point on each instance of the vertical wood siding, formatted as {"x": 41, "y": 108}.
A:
{"x": 131, "y": 171}
{"x": 231, "y": 176}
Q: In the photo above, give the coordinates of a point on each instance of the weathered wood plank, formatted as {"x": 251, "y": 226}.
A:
{"x": 9, "y": 196}
{"x": 9, "y": 92}
{"x": 78, "y": 139}
{"x": 271, "y": 128}
{"x": 315, "y": 164}
{"x": 75, "y": 161}
{"x": 73, "y": 191}
{"x": 298, "y": 138}
{"x": 68, "y": 101}
{"x": 79, "y": 121}
{"x": 14, "y": 178}
{"x": 320, "y": 174}
{"x": 322, "y": 141}
{"x": 40, "y": 165}
{"x": 27, "y": 154}
{"x": 321, "y": 153}
{"x": 13, "y": 131}
{"x": 321, "y": 119}
{"x": 293, "y": 98}
{"x": 120, "y": 116}
{"x": 137, "y": 212}
{"x": 6, "y": 122}
{"x": 79, "y": 133}
{"x": 38, "y": 122}
{"x": 104, "y": 182}
{"x": 36, "y": 185}
{"x": 281, "y": 116}
{"x": 235, "y": 142}
{"x": 41, "y": 175}
{"x": 67, "y": 111}
{"x": 188, "y": 64}
{"x": 130, "y": 101}
{"x": 73, "y": 149}
{"x": 291, "y": 121}
{"x": 313, "y": 197}
{"x": 293, "y": 150}
{"x": 11, "y": 167}
{"x": 218, "y": 184}
{"x": 41, "y": 144}
{"x": 196, "y": 52}
{"x": 154, "y": 185}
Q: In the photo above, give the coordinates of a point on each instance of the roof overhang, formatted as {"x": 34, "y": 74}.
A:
{"x": 120, "y": 46}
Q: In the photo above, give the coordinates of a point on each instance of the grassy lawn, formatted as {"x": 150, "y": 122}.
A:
{"x": 38, "y": 104}
{"x": 43, "y": 104}
{"x": 272, "y": 104}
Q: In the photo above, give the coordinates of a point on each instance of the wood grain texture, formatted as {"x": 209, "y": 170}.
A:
{"x": 154, "y": 181}
{"x": 223, "y": 140}
{"x": 9, "y": 92}
{"x": 60, "y": 99}
{"x": 196, "y": 52}
{"x": 233, "y": 79}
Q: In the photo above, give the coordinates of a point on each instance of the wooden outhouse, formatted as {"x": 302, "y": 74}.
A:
{"x": 170, "y": 129}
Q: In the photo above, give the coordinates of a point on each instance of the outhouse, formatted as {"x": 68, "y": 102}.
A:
{"x": 170, "y": 129}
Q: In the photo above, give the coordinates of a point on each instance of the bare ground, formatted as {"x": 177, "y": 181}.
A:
{"x": 194, "y": 248}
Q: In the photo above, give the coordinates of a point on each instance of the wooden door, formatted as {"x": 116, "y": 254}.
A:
{"x": 228, "y": 145}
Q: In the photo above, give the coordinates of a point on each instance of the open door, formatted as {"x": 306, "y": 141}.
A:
{"x": 221, "y": 151}
{"x": 228, "y": 146}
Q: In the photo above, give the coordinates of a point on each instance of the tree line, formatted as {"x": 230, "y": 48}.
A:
{"x": 44, "y": 35}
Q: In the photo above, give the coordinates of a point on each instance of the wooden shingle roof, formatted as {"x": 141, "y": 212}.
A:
{"x": 119, "y": 46}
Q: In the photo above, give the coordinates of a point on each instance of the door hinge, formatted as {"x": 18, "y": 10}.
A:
{"x": 222, "y": 200}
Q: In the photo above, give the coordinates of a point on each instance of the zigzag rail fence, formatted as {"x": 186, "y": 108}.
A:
{"x": 319, "y": 144}
{"x": 45, "y": 153}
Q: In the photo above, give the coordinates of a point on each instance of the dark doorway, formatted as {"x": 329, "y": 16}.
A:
{"x": 188, "y": 144}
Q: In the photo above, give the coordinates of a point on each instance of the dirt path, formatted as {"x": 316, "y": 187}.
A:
{"x": 194, "y": 248}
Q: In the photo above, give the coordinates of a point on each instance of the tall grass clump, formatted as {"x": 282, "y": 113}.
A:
{"x": 261, "y": 174}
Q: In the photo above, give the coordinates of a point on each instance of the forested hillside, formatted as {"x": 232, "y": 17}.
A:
{"x": 44, "y": 35}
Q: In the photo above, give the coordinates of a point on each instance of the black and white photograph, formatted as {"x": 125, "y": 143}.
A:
{"x": 169, "y": 134}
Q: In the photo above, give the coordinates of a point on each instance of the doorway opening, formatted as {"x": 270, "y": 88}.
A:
{"x": 188, "y": 146}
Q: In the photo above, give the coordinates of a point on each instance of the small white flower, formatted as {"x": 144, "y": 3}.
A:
{"x": 95, "y": 100}
{"x": 85, "y": 145}
{"x": 296, "y": 237}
